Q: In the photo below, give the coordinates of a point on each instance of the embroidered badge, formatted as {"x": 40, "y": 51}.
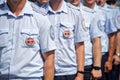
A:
{"x": 30, "y": 41}
{"x": 66, "y": 33}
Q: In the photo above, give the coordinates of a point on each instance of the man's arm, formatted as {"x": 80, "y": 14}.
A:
{"x": 97, "y": 55}
{"x": 80, "y": 59}
{"x": 116, "y": 57}
{"x": 49, "y": 65}
{"x": 108, "y": 63}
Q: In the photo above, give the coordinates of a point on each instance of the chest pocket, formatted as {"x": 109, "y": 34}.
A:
{"x": 29, "y": 37}
{"x": 3, "y": 37}
{"x": 66, "y": 30}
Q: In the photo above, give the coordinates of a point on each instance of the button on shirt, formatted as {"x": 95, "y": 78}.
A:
{"x": 68, "y": 31}
{"x": 93, "y": 30}
{"x": 23, "y": 39}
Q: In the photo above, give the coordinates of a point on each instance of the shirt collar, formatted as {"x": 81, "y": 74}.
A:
{"x": 62, "y": 9}
{"x": 26, "y": 10}
{"x": 95, "y": 7}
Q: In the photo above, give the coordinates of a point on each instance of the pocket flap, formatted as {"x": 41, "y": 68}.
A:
{"x": 29, "y": 31}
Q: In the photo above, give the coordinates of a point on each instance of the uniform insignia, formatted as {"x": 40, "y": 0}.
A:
{"x": 99, "y": 25}
{"x": 66, "y": 33}
{"x": 83, "y": 24}
{"x": 30, "y": 41}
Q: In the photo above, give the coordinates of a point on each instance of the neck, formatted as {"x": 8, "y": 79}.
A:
{"x": 113, "y": 5}
{"x": 56, "y": 4}
{"x": 89, "y": 5}
{"x": 40, "y": 3}
{"x": 16, "y": 6}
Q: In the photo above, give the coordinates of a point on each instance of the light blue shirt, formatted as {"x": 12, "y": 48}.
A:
{"x": 108, "y": 25}
{"x": 102, "y": 19}
{"x": 23, "y": 39}
{"x": 68, "y": 31}
{"x": 90, "y": 23}
{"x": 110, "y": 15}
{"x": 117, "y": 18}
{"x": 2, "y": 1}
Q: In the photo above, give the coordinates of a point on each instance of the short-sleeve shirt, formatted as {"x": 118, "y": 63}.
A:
{"x": 68, "y": 30}
{"x": 23, "y": 40}
{"x": 117, "y": 18}
{"x": 90, "y": 23}
{"x": 102, "y": 19}
{"x": 110, "y": 15}
{"x": 108, "y": 25}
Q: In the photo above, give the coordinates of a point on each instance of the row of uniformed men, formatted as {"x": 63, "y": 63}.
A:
{"x": 108, "y": 22}
{"x": 75, "y": 30}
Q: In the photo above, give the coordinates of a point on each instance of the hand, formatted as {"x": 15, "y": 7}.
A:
{"x": 96, "y": 74}
{"x": 116, "y": 60}
{"x": 108, "y": 66}
{"x": 79, "y": 76}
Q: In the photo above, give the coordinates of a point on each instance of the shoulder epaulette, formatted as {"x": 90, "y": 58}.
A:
{"x": 38, "y": 9}
{"x": 73, "y": 7}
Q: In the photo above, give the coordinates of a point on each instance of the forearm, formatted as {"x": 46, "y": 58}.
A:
{"x": 97, "y": 55}
{"x": 80, "y": 56}
{"x": 49, "y": 67}
{"x": 118, "y": 42}
{"x": 111, "y": 46}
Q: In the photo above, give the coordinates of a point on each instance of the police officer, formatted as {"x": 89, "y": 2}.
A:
{"x": 117, "y": 53}
{"x": 111, "y": 31}
{"x": 92, "y": 46}
{"x": 113, "y": 3}
{"x": 26, "y": 43}
{"x": 69, "y": 37}
{"x": 116, "y": 56}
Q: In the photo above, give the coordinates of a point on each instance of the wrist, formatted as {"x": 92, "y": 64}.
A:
{"x": 97, "y": 67}
{"x": 110, "y": 59}
{"x": 80, "y": 72}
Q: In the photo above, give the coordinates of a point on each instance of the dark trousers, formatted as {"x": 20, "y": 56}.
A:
{"x": 65, "y": 77}
{"x": 105, "y": 76}
{"x": 87, "y": 71}
{"x": 87, "y": 75}
{"x": 112, "y": 75}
